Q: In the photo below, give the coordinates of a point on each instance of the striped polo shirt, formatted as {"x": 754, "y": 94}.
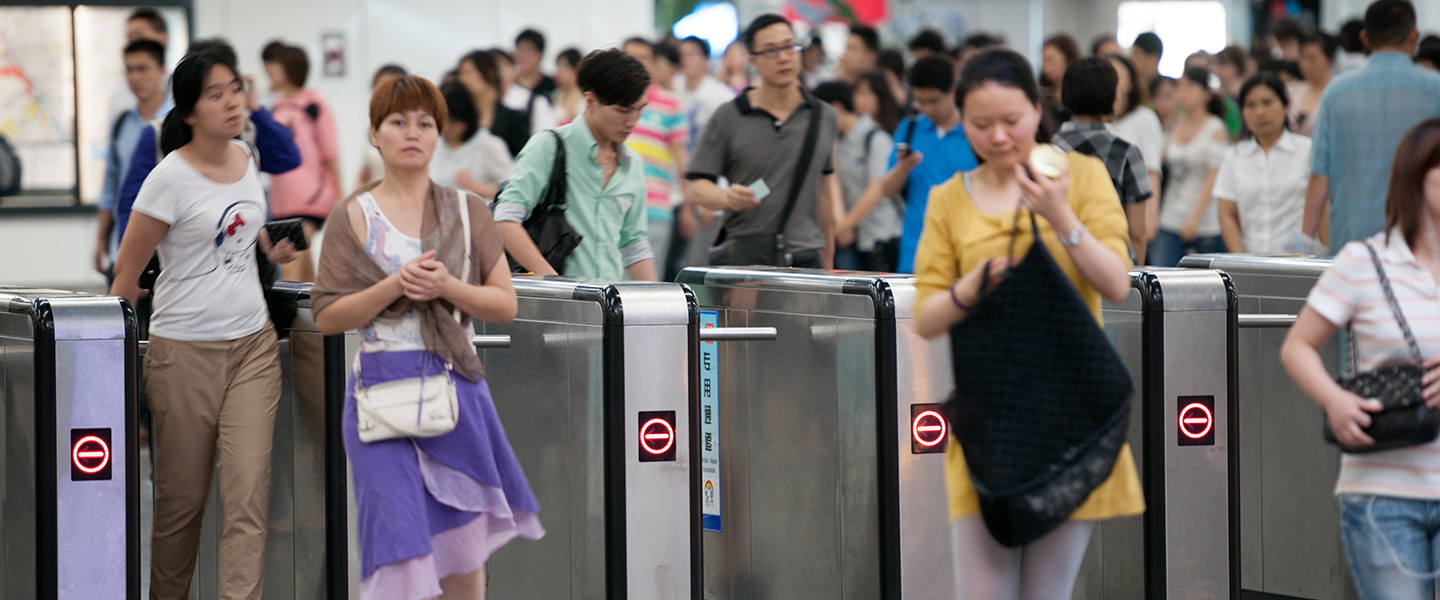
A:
{"x": 661, "y": 125}
{"x": 1350, "y": 292}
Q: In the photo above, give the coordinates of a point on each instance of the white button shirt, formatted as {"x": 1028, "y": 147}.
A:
{"x": 1269, "y": 190}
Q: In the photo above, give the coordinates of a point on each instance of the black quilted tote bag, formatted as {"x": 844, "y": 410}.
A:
{"x": 1042, "y": 399}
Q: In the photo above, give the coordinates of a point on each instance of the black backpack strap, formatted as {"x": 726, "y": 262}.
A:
{"x": 910, "y": 132}
{"x": 807, "y": 153}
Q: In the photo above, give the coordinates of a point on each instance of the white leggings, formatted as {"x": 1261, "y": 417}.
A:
{"x": 1044, "y": 570}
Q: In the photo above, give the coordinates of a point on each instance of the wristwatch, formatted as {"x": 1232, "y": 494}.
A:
{"x": 1073, "y": 239}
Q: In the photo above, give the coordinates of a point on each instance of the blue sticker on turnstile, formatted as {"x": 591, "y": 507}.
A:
{"x": 710, "y": 426}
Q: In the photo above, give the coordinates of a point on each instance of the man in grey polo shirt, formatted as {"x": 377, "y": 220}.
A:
{"x": 755, "y": 142}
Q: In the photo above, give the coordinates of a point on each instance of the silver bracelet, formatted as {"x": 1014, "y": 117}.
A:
{"x": 1073, "y": 239}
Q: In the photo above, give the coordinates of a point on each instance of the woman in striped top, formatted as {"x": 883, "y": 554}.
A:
{"x": 1388, "y": 499}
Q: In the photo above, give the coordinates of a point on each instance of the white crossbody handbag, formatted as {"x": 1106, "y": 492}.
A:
{"x": 419, "y": 407}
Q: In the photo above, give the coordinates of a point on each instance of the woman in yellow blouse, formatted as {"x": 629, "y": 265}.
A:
{"x": 968, "y": 227}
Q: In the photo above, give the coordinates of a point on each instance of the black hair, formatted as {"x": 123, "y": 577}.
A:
{"x": 151, "y": 17}
{"x": 998, "y": 65}
{"x": 569, "y": 56}
{"x": 1350, "y": 36}
{"x": 700, "y": 42}
{"x": 1150, "y": 43}
{"x": 836, "y": 92}
{"x": 484, "y": 62}
{"x": 461, "y": 108}
{"x": 1268, "y": 80}
{"x": 1277, "y": 66}
{"x": 981, "y": 41}
{"x": 614, "y": 77}
{"x": 868, "y": 35}
{"x": 1155, "y": 84}
{"x": 638, "y": 40}
{"x": 747, "y": 37}
{"x": 1065, "y": 44}
{"x": 187, "y": 84}
{"x": 1201, "y": 77}
{"x": 1132, "y": 100}
{"x": 1232, "y": 54}
{"x": 500, "y": 53}
{"x": 535, "y": 38}
{"x": 667, "y": 52}
{"x": 290, "y": 58}
{"x": 928, "y": 39}
{"x": 892, "y": 60}
{"x": 218, "y": 46}
{"x": 1389, "y": 22}
{"x": 1101, "y": 40}
{"x": 1288, "y": 29}
{"x": 933, "y": 73}
{"x": 153, "y": 48}
{"x": 1429, "y": 52}
{"x": 1329, "y": 44}
{"x": 1088, "y": 88}
{"x": 388, "y": 69}
{"x": 887, "y": 107}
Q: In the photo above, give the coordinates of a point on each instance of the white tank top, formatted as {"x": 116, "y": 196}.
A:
{"x": 390, "y": 249}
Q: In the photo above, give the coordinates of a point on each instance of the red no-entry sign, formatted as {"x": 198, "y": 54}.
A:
{"x": 657, "y": 436}
{"x": 1196, "y": 420}
{"x": 927, "y": 429}
{"x": 90, "y": 457}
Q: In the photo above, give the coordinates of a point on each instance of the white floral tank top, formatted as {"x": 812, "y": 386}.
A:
{"x": 390, "y": 249}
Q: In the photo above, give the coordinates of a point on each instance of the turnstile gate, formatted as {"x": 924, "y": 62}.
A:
{"x": 69, "y": 502}
{"x": 1290, "y": 526}
{"x": 825, "y": 479}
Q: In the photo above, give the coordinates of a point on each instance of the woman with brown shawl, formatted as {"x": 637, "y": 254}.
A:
{"x": 431, "y": 510}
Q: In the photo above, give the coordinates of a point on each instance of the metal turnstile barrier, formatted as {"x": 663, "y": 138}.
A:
{"x": 69, "y": 504}
{"x": 824, "y": 478}
{"x": 1290, "y": 532}
{"x": 597, "y": 394}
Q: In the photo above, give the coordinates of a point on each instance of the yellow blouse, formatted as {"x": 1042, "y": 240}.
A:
{"x": 958, "y": 237}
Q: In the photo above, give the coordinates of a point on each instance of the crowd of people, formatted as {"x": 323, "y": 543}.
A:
{"x": 635, "y": 161}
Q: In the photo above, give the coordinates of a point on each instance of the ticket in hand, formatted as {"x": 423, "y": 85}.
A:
{"x": 760, "y": 189}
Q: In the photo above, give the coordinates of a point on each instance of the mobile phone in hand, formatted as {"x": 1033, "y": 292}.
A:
{"x": 903, "y": 148}
{"x": 288, "y": 229}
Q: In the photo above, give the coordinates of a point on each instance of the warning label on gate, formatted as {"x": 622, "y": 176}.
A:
{"x": 1196, "y": 421}
{"x": 90, "y": 454}
{"x": 710, "y": 426}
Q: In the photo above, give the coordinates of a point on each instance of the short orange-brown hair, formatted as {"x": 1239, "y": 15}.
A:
{"x": 411, "y": 92}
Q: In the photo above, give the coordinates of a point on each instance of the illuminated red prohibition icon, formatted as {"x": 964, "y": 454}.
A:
{"x": 1196, "y": 420}
{"x": 90, "y": 454}
{"x": 657, "y": 436}
{"x": 928, "y": 429}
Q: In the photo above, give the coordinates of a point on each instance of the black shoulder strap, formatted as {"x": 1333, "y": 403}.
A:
{"x": 555, "y": 192}
{"x": 910, "y": 132}
{"x": 807, "y": 152}
{"x": 869, "y": 139}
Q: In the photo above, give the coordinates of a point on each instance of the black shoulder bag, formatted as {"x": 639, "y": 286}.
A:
{"x": 546, "y": 225}
{"x": 1406, "y": 421}
{"x": 1042, "y": 399}
{"x": 770, "y": 248}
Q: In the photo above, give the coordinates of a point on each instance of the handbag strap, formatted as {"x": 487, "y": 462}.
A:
{"x": 1394, "y": 308}
{"x": 556, "y": 190}
{"x": 464, "y": 206}
{"x": 807, "y": 153}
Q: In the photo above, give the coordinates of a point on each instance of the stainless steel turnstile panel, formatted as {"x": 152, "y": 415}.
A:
{"x": 821, "y": 497}
{"x": 1287, "y": 472}
{"x": 68, "y": 530}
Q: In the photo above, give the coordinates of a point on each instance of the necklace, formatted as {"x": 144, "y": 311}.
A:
{"x": 613, "y": 154}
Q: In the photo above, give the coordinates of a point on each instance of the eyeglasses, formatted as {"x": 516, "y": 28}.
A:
{"x": 774, "y": 53}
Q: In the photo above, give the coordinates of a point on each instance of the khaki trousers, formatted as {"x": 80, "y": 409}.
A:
{"x": 212, "y": 399}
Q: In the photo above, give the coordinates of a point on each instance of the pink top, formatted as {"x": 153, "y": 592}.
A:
{"x": 309, "y": 190}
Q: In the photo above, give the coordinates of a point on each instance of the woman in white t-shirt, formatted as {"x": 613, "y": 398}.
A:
{"x": 1388, "y": 499}
{"x": 212, "y": 371}
{"x": 1261, "y": 185}
{"x": 1139, "y": 125}
{"x": 469, "y": 157}
{"x": 1188, "y": 218}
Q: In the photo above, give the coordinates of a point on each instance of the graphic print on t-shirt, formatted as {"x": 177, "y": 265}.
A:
{"x": 236, "y": 232}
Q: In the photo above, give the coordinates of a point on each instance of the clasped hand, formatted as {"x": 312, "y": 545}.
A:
{"x": 424, "y": 279}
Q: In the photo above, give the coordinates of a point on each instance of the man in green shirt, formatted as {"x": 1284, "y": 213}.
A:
{"x": 605, "y": 180}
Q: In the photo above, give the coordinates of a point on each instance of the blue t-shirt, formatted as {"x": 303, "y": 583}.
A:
{"x": 943, "y": 157}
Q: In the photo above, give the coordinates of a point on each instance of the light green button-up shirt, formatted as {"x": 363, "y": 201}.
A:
{"x": 609, "y": 218}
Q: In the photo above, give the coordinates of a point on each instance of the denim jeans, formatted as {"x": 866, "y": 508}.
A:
{"x": 1392, "y": 544}
{"x": 1168, "y": 249}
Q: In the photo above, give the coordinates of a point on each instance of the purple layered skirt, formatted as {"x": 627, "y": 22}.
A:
{"x": 433, "y": 507}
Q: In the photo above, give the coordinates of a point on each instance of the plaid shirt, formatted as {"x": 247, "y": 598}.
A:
{"x": 1122, "y": 159}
